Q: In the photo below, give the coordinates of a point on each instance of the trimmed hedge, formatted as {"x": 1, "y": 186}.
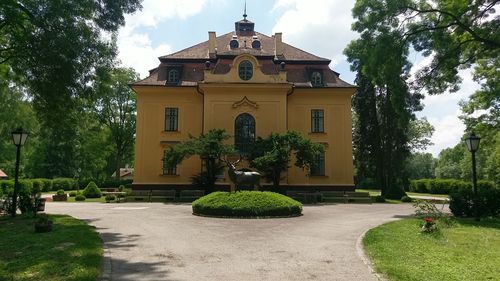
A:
{"x": 445, "y": 186}
{"x": 462, "y": 202}
{"x": 247, "y": 204}
{"x": 63, "y": 183}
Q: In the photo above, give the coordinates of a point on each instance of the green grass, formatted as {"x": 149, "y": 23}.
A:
{"x": 246, "y": 204}
{"x": 464, "y": 251}
{"x": 375, "y": 192}
{"x": 101, "y": 200}
{"x": 71, "y": 251}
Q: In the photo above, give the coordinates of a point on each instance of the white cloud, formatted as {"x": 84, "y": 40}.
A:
{"x": 136, "y": 51}
{"x": 323, "y": 26}
{"x": 443, "y": 113}
{"x": 448, "y": 131}
{"x": 135, "y": 48}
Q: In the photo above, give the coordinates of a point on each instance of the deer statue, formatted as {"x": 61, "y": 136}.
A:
{"x": 240, "y": 177}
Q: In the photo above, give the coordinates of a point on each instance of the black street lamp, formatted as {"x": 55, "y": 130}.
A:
{"x": 19, "y": 137}
{"x": 472, "y": 143}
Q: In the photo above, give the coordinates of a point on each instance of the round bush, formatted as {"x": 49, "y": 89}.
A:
{"x": 72, "y": 194}
{"x": 247, "y": 204}
{"x": 380, "y": 199}
{"x": 406, "y": 199}
{"x": 80, "y": 197}
{"x": 60, "y": 192}
{"x": 110, "y": 197}
{"x": 92, "y": 191}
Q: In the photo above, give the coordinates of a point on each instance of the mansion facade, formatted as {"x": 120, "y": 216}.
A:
{"x": 251, "y": 85}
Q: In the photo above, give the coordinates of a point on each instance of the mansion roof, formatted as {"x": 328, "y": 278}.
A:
{"x": 217, "y": 54}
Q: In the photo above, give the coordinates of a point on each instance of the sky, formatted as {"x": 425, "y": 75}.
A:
{"x": 321, "y": 27}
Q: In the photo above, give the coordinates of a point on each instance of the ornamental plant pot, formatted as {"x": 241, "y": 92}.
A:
{"x": 40, "y": 204}
{"x": 63, "y": 197}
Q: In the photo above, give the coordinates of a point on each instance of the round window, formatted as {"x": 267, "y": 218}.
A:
{"x": 245, "y": 70}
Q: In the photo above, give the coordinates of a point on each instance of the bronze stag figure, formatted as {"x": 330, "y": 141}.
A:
{"x": 240, "y": 177}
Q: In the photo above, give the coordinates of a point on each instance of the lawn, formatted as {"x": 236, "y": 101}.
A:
{"x": 375, "y": 192}
{"x": 72, "y": 251}
{"x": 464, "y": 251}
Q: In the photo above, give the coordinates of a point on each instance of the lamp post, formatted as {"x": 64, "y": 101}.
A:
{"x": 19, "y": 138}
{"x": 472, "y": 143}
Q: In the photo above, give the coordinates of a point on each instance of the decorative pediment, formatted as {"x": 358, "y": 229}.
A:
{"x": 245, "y": 101}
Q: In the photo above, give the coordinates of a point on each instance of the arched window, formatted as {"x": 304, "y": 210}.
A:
{"x": 244, "y": 132}
{"x": 245, "y": 70}
{"x": 173, "y": 76}
{"x": 316, "y": 78}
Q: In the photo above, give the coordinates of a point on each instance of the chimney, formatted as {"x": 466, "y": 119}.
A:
{"x": 211, "y": 43}
{"x": 278, "y": 44}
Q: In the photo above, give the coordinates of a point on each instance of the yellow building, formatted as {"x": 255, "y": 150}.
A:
{"x": 251, "y": 85}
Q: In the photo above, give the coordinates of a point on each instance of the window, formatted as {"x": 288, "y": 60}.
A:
{"x": 171, "y": 119}
{"x": 316, "y": 79}
{"x": 317, "y": 121}
{"x": 173, "y": 76}
{"x": 245, "y": 70}
{"x": 168, "y": 170}
{"x": 318, "y": 167}
{"x": 244, "y": 132}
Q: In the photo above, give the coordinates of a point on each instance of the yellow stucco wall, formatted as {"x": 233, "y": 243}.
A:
{"x": 151, "y": 139}
{"x": 216, "y": 103}
{"x": 337, "y": 136}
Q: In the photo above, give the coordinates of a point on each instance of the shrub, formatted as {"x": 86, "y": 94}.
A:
{"x": 110, "y": 197}
{"x": 438, "y": 186}
{"x": 72, "y": 194}
{"x": 462, "y": 202}
{"x": 43, "y": 224}
{"x": 47, "y": 185}
{"x": 406, "y": 199}
{"x": 246, "y": 204}
{"x": 421, "y": 186}
{"x": 379, "y": 199}
{"x": 121, "y": 188}
{"x": 60, "y": 192}
{"x": 37, "y": 185}
{"x": 92, "y": 191}
{"x": 63, "y": 183}
{"x": 7, "y": 186}
{"x": 484, "y": 184}
{"x": 80, "y": 197}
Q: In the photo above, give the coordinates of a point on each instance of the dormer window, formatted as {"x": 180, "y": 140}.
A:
{"x": 173, "y": 76}
{"x": 316, "y": 79}
{"x": 245, "y": 70}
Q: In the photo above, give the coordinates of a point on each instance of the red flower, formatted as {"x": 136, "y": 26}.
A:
{"x": 428, "y": 220}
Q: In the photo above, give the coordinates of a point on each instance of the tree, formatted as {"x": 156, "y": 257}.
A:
{"x": 421, "y": 166}
{"x": 272, "y": 155}
{"x": 16, "y": 111}
{"x": 209, "y": 147}
{"x": 381, "y": 138}
{"x": 115, "y": 107}
{"x": 448, "y": 165}
{"x": 420, "y": 132}
{"x": 57, "y": 47}
{"x": 455, "y": 33}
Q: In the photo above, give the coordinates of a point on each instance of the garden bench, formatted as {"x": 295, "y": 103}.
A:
{"x": 163, "y": 194}
{"x": 140, "y": 195}
{"x": 190, "y": 195}
{"x": 358, "y": 197}
{"x": 333, "y": 197}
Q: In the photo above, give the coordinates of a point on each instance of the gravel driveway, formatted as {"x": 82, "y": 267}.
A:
{"x": 155, "y": 241}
